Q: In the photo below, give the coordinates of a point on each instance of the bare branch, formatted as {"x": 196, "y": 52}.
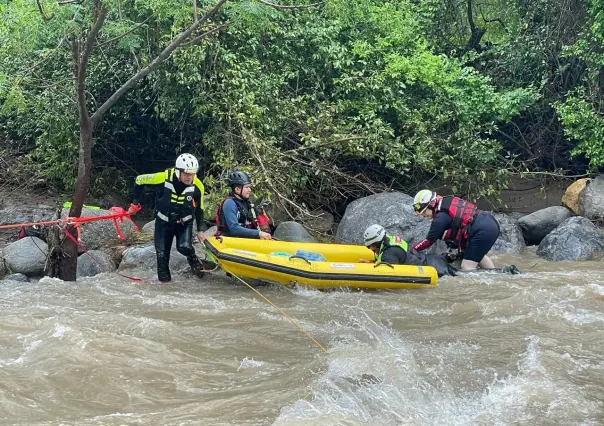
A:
{"x": 204, "y": 35}
{"x": 63, "y": 3}
{"x": 300, "y": 6}
{"x": 487, "y": 21}
{"x": 195, "y": 13}
{"x": 111, "y": 40}
{"x": 165, "y": 54}
{"x": 101, "y": 14}
{"x": 81, "y": 58}
{"x": 46, "y": 18}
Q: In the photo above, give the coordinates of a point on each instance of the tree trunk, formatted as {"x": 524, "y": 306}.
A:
{"x": 69, "y": 261}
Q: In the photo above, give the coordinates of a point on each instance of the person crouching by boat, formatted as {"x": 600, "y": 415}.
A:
{"x": 394, "y": 250}
{"x": 460, "y": 225}
{"x": 237, "y": 216}
{"x": 179, "y": 201}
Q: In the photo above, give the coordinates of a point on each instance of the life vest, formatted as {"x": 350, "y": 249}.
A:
{"x": 390, "y": 241}
{"x": 245, "y": 216}
{"x": 173, "y": 207}
{"x": 463, "y": 214}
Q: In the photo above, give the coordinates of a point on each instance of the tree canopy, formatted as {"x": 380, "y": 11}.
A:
{"x": 320, "y": 102}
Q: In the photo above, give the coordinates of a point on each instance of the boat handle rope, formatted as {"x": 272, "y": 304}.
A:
{"x": 383, "y": 263}
{"x": 300, "y": 257}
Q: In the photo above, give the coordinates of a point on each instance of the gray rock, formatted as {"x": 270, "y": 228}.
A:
{"x": 293, "y": 231}
{"x": 591, "y": 200}
{"x": 537, "y": 225}
{"x": 392, "y": 210}
{"x": 149, "y": 228}
{"x": 510, "y": 236}
{"x": 16, "y": 214}
{"x": 577, "y": 238}
{"x": 320, "y": 221}
{"x": 101, "y": 233}
{"x": 143, "y": 257}
{"x": 3, "y": 270}
{"x": 94, "y": 262}
{"x": 17, "y": 277}
{"x": 26, "y": 256}
{"x": 210, "y": 231}
{"x": 515, "y": 215}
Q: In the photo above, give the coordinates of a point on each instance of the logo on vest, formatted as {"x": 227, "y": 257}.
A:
{"x": 189, "y": 198}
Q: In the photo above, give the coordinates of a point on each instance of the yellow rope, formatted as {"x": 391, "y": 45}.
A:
{"x": 218, "y": 264}
{"x": 277, "y": 308}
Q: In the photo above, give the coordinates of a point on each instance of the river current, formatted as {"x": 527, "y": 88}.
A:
{"x": 475, "y": 350}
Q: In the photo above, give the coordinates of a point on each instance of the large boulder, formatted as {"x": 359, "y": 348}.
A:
{"x": 101, "y": 233}
{"x": 392, "y": 210}
{"x": 577, "y": 238}
{"x": 294, "y": 232}
{"x": 149, "y": 227}
{"x": 320, "y": 221}
{"x": 143, "y": 257}
{"x": 591, "y": 200}
{"x": 510, "y": 236}
{"x": 26, "y": 256}
{"x": 572, "y": 194}
{"x": 94, "y": 262}
{"x": 537, "y": 225}
{"x": 18, "y": 214}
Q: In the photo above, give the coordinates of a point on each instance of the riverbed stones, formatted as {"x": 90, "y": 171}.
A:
{"x": 537, "y": 225}
{"x": 510, "y": 236}
{"x": 293, "y": 232}
{"x": 570, "y": 199}
{"x": 101, "y": 233}
{"x": 26, "y": 256}
{"x": 144, "y": 257}
{"x": 94, "y": 262}
{"x": 577, "y": 238}
{"x": 591, "y": 200}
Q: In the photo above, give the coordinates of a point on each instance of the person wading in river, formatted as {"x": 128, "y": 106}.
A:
{"x": 460, "y": 225}
{"x": 179, "y": 201}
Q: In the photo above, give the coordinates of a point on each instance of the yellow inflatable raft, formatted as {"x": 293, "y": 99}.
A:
{"x": 330, "y": 265}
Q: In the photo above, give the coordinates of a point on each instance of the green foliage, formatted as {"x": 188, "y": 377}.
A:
{"x": 585, "y": 125}
{"x": 319, "y": 104}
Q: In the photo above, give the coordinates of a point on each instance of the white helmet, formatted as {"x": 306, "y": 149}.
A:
{"x": 186, "y": 163}
{"x": 423, "y": 199}
{"x": 374, "y": 234}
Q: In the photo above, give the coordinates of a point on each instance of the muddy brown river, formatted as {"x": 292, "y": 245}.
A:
{"x": 477, "y": 350}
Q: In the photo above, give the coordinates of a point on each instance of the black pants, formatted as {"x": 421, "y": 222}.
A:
{"x": 483, "y": 234}
{"x": 164, "y": 235}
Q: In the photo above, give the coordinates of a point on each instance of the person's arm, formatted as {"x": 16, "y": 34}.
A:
{"x": 440, "y": 223}
{"x": 229, "y": 211}
{"x": 140, "y": 182}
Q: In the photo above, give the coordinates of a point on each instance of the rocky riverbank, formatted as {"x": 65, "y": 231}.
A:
{"x": 565, "y": 232}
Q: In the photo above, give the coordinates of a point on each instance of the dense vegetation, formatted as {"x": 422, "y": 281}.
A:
{"x": 321, "y": 103}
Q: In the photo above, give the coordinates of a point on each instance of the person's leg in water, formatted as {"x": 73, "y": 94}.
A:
{"x": 483, "y": 234}
{"x": 164, "y": 235}
{"x": 184, "y": 235}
